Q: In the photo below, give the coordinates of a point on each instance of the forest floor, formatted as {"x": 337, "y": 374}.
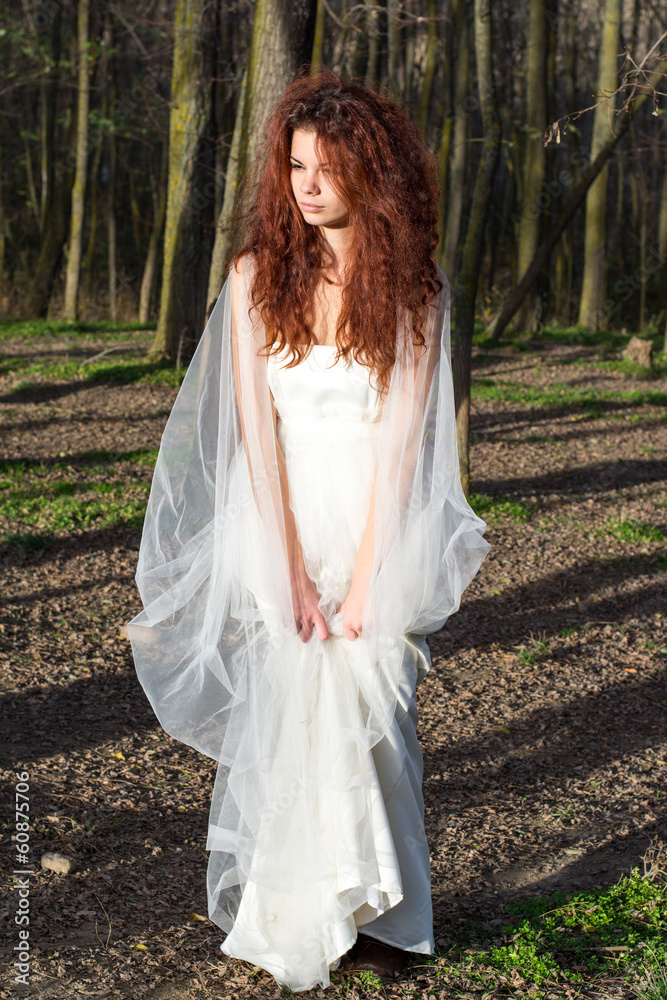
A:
{"x": 543, "y": 721}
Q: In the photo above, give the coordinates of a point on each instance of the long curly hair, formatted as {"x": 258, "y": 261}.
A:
{"x": 381, "y": 169}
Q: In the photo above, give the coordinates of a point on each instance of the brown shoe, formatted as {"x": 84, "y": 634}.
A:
{"x": 374, "y": 956}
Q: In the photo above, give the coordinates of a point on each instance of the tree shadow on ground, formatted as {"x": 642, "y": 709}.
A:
{"x": 614, "y": 474}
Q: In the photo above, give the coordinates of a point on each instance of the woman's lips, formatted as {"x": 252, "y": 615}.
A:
{"x": 307, "y": 207}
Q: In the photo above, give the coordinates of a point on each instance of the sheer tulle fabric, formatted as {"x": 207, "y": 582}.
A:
{"x": 301, "y": 850}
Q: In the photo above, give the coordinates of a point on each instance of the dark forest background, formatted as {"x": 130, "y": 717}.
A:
{"x": 127, "y": 130}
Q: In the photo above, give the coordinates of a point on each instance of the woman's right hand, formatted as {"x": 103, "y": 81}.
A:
{"x": 305, "y": 599}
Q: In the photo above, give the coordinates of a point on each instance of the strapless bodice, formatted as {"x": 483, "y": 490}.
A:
{"x": 323, "y": 388}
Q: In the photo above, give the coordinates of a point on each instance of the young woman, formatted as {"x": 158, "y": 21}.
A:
{"x": 306, "y": 528}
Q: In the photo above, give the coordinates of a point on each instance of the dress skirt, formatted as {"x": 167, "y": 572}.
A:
{"x": 337, "y": 826}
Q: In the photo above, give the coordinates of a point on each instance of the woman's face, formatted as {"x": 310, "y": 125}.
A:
{"x": 319, "y": 203}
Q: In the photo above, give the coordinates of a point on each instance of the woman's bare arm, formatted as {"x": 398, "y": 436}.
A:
{"x": 352, "y": 607}
{"x": 305, "y": 599}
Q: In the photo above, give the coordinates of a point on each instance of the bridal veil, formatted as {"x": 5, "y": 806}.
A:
{"x": 217, "y": 651}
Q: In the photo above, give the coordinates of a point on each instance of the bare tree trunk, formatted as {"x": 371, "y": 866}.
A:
{"x": 454, "y": 204}
{"x": 48, "y": 93}
{"x": 565, "y": 252}
{"x": 111, "y": 227}
{"x": 372, "y": 35}
{"x": 159, "y": 213}
{"x": 92, "y": 217}
{"x": 191, "y": 189}
{"x": 393, "y": 39}
{"x": 662, "y": 246}
{"x": 572, "y": 203}
{"x": 282, "y": 42}
{"x": 223, "y": 231}
{"x": 594, "y": 280}
{"x": 465, "y": 290}
{"x": 534, "y": 153}
{"x": 79, "y": 191}
{"x": 318, "y": 41}
{"x": 341, "y": 59}
{"x": 33, "y": 201}
{"x": 429, "y": 66}
{"x": 3, "y": 283}
{"x": 112, "y": 240}
{"x": 54, "y": 232}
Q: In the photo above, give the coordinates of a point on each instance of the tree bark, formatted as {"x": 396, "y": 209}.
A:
{"x": 372, "y": 35}
{"x": 48, "y": 92}
{"x": 3, "y": 282}
{"x": 150, "y": 267}
{"x": 393, "y": 39}
{"x": 534, "y": 153}
{"x": 572, "y": 203}
{"x": 457, "y": 167}
{"x": 191, "y": 187}
{"x": 429, "y": 66}
{"x": 54, "y": 233}
{"x": 111, "y": 229}
{"x": 465, "y": 290}
{"x": 223, "y": 231}
{"x": 662, "y": 245}
{"x": 282, "y": 42}
{"x": 318, "y": 40}
{"x": 591, "y": 310}
{"x": 79, "y": 191}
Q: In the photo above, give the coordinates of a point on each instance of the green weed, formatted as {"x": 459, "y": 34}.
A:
{"x": 655, "y": 982}
{"x": 493, "y": 509}
{"x": 36, "y": 329}
{"x": 119, "y": 371}
{"x": 563, "y": 937}
{"x": 560, "y": 396}
{"x": 540, "y": 439}
{"x": 633, "y": 532}
{"x": 37, "y": 501}
{"x": 536, "y": 650}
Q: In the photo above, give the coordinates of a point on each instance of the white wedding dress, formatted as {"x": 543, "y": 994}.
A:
{"x": 343, "y": 844}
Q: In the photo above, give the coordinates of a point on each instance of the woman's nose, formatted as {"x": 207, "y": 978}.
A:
{"x": 309, "y": 184}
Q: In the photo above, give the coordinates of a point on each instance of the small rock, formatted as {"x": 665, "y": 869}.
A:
{"x": 639, "y": 352}
{"x": 53, "y": 861}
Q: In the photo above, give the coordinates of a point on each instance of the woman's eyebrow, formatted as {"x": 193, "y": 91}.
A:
{"x": 300, "y": 164}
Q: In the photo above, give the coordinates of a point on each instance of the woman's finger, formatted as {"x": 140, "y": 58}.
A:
{"x": 321, "y": 626}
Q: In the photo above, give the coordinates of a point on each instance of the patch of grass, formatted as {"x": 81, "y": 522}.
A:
{"x": 655, "y": 982}
{"x": 119, "y": 371}
{"x": 37, "y": 329}
{"x": 494, "y": 509}
{"x": 532, "y": 653}
{"x": 572, "y": 937}
{"x": 369, "y": 981}
{"x": 658, "y": 367}
{"x": 99, "y": 460}
{"x": 540, "y": 439}
{"x": 560, "y": 396}
{"x": 586, "y": 338}
{"x": 41, "y": 503}
{"x": 633, "y": 532}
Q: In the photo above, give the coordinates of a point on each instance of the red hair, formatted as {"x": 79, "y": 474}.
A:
{"x": 381, "y": 169}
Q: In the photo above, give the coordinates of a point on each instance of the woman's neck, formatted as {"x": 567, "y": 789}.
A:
{"x": 338, "y": 239}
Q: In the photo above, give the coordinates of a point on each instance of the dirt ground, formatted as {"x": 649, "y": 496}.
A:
{"x": 543, "y": 721}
